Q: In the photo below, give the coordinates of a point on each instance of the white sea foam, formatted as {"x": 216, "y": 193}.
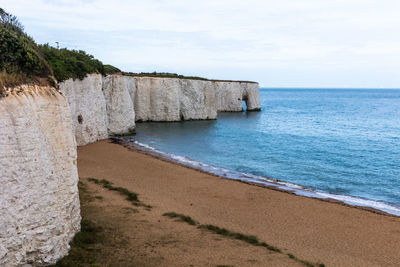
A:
{"x": 245, "y": 177}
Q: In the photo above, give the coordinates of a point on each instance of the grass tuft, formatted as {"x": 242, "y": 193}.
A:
{"x": 130, "y": 210}
{"x": 181, "y": 217}
{"x": 83, "y": 247}
{"x": 269, "y": 247}
{"x": 129, "y": 195}
{"x": 82, "y": 187}
{"x": 251, "y": 239}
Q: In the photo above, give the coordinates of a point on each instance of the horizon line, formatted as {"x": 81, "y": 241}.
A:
{"x": 337, "y": 88}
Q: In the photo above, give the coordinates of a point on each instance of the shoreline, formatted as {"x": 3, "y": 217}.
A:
{"x": 313, "y": 230}
{"x": 269, "y": 183}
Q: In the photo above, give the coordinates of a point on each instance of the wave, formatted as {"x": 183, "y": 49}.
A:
{"x": 265, "y": 181}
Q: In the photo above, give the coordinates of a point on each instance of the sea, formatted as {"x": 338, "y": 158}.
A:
{"x": 341, "y": 144}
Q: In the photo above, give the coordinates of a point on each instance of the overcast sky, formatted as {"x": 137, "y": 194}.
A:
{"x": 279, "y": 43}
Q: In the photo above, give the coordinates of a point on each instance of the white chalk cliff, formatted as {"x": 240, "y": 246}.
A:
{"x": 197, "y": 100}
{"x": 103, "y": 106}
{"x": 88, "y": 108}
{"x": 171, "y": 99}
{"x": 39, "y": 202}
{"x": 119, "y": 93}
{"x": 41, "y": 127}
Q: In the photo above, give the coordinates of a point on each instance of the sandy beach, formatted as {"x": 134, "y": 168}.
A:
{"x": 311, "y": 229}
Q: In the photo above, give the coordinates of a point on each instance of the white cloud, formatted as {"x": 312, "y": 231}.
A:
{"x": 278, "y": 43}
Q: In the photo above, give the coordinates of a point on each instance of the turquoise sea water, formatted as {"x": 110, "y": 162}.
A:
{"x": 340, "y": 141}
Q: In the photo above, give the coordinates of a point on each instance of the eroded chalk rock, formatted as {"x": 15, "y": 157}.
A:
{"x": 197, "y": 100}
{"x": 39, "y": 202}
{"x": 229, "y": 96}
{"x": 88, "y": 108}
{"x": 157, "y": 99}
{"x": 103, "y": 106}
{"x": 251, "y": 94}
{"x": 118, "y": 93}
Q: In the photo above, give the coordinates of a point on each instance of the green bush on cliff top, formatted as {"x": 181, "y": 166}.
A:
{"x": 72, "y": 63}
{"x": 20, "y": 59}
{"x": 108, "y": 69}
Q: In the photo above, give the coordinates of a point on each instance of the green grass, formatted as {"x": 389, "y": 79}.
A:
{"x": 82, "y": 187}
{"x": 83, "y": 247}
{"x": 132, "y": 197}
{"x": 250, "y": 239}
{"x": 246, "y": 238}
{"x": 130, "y": 210}
{"x": 181, "y": 217}
{"x": 174, "y": 75}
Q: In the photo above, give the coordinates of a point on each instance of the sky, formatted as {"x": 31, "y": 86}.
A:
{"x": 278, "y": 43}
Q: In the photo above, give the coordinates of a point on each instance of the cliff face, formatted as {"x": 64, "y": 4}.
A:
{"x": 39, "y": 202}
{"x": 119, "y": 93}
{"x": 170, "y": 99}
{"x": 88, "y": 108}
{"x": 197, "y": 100}
{"x": 102, "y": 106}
{"x": 157, "y": 99}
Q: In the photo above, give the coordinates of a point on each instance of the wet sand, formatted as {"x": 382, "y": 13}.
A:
{"x": 311, "y": 229}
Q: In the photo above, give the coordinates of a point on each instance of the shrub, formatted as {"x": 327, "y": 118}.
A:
{"x": 74, "y": 64}
{"x": 20, "y": 59}
{"x": 108, "y": 69}
{"x": 70, "y": 63}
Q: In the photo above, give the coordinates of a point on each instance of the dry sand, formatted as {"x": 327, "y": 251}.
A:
{"x": 311, "y": 229}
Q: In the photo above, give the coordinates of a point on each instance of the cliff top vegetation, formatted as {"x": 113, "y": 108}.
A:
{"x": 74, "y": 64}
{"x": 20, "y": 59}
{"x": 174, "y": 75}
